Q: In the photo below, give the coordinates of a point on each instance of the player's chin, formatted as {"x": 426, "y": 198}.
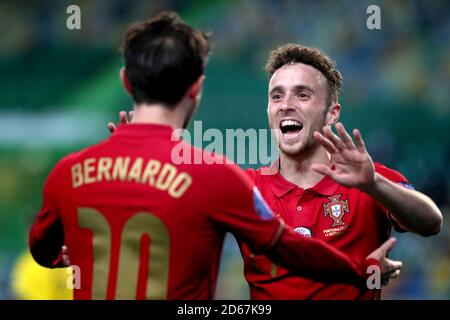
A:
{"x": 292, "y": 148}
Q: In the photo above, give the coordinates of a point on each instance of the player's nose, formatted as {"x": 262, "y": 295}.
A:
{"x": 287, "y": 104}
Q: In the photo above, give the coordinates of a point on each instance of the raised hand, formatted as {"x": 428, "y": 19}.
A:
{"x": 123, "y": 119}
{"x": 390, "y": 269}
{"x": 351, "y": 163}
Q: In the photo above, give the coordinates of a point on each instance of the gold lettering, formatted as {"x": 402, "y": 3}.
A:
{"x": 161, "y": 176}
{"x": 165, "y": 177}
{"x": 136, "y": 171}
{"x": 120, "y": 168}
{"x": 182, "y": 182}
{"x": 150, "y": 172}
{"x": 77, "y": 175}
{"x": 88, "y": 169}
{"x": 104, "y": 165}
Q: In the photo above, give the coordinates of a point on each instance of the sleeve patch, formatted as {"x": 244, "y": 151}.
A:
{"x": 261, "y": 207}
{"x": 407, "y": 185}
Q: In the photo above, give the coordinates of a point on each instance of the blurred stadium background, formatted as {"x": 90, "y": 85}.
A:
{"x": 59, "y": 88}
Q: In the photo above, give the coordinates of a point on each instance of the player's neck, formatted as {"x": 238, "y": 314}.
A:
{"x": 158, "y": 114}
{"x": 298, "y": 169}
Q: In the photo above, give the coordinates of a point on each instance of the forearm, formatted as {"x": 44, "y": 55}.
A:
{"x": 314, "y": 259}
{"x": 413, "y": 210}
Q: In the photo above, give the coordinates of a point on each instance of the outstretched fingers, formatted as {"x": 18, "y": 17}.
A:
{"x": 112, "y": 127}
{"x": 345, "y": 137}
{"x": 330, "y": 135}
{"x": 359, "y": 140}
{"x": 391, "y": 271}
{"x": 395, "y": 274}
{"x": 326, "y": 143}
{"x": 123, "y": 119}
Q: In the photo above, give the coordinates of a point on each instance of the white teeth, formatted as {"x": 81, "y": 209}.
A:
{"x": 290, "y": 123}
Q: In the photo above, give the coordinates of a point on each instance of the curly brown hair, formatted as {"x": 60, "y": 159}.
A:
{"x": 295, "y": 53}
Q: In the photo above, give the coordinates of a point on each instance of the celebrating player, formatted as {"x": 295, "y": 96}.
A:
{"x": 139, "y": 226}
{"x": 324, "y": 185}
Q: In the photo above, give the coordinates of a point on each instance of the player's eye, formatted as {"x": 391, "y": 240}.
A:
{"x": 277, "y": 97}
{"x": 303, "y": 95}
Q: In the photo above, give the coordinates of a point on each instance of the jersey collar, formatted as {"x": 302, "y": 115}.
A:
{"x": 280, "y": 186}
{"x": 143, "y": 130}
{"x": 326, "y": 186}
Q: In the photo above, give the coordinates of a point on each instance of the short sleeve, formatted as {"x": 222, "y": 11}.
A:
{"x": 391, "y": 174}
{"x": 243, "y": 211}
{"x": 395, "y": 177}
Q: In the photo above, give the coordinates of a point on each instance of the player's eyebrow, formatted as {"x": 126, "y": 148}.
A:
{"x": 276, "y": 89}
{"x": 303, "y": 88}
{"x": 296, "y": 89}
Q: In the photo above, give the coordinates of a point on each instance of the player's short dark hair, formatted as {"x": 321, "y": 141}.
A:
{"x": 295, "y": 53}
{"x": 163, "y": 57}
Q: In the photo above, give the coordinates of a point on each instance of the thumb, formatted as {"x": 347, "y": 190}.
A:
{"x": 387, "y": 245}
{"x": 322, "y": 169}
{"x": 381, "y": 252}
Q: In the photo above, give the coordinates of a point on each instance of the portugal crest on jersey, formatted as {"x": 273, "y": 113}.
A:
{"x": 336, "y": 209}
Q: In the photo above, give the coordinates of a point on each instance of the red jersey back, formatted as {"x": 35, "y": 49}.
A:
{"x": 140, "y": 226}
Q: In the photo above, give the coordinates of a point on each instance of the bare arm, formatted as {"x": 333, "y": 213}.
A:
{"x": 412, "y": 210}
{"x": 353, "y": 167}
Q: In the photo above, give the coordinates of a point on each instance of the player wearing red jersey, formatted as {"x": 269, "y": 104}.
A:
{"x": 140, "y": 226}
{"x": 324, "y": 185}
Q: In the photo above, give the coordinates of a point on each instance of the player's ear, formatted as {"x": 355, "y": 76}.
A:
{"x": 195, "y": 90}
{"x": 125, "y": 82}
{"x": 333, "y": 114}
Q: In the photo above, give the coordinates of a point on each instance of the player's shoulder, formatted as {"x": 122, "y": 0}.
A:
{"x": 261, "y": 173}
{"x": 61, "y": 169}
{"x": 389, "y": 173}
{"x": 215, "y": 167}
{"x": 81, "y": 153}
{"x": 75, "y": 156}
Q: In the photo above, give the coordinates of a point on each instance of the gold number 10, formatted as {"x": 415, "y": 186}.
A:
{"x": 129, "y": 255}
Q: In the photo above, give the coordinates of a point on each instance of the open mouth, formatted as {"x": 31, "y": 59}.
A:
{"x": 290, "y": 127}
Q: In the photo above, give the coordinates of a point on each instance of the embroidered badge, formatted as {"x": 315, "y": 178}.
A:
{"x": 336, "y": 209}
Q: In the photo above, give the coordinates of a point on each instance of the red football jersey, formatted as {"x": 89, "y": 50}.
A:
{"x": 139, "y": 226}
{"x": 346, "y": 218}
